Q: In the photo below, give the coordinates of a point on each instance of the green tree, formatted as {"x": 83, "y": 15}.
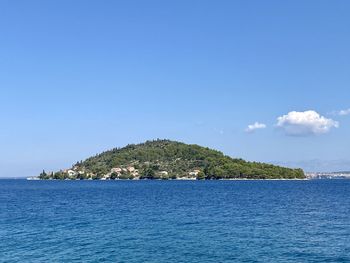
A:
{"x": 200, "y": 176}
{"x": 114, "y": 176}
{"x": 43, "y": 175}
{"x": 148, "y": 173}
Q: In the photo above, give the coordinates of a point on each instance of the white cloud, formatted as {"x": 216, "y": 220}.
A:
{"x": 305, "y": 123}
{"x": 220, "y": 131}
{"x": 340, "y": 112}
{"x": 255, "y": 126}
{"x": 344, "y": 112}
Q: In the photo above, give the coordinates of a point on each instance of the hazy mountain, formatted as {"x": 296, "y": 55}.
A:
{"x": 318, "y": 165}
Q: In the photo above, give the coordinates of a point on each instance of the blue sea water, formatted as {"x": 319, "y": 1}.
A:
{"x": 175, "y": 221}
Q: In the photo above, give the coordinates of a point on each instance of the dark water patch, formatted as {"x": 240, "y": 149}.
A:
{"x": 174, "y": 221}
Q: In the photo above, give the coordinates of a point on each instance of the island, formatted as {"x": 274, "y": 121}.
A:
{"x": 166, "y": 159}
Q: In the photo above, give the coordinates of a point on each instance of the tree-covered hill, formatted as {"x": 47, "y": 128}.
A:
{"x": 165, "y": 159}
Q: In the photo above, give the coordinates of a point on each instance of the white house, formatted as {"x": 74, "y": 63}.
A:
{"x": 131, "y": 169}
{"x": 116, "y": 170}
{"x": 194, "y": 173}
{"x": 71, "y": 173}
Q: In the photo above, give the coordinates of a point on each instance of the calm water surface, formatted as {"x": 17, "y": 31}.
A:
{"x": 175, "y": 221}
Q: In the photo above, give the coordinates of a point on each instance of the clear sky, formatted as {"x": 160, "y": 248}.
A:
{"x": 80, "y": 77}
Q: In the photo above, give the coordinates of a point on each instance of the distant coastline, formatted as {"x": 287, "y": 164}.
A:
{"x": 177, "y": 179}
{"x": 308, "y": 177}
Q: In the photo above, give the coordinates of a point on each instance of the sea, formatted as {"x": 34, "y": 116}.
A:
{"x": 175, "y": 221}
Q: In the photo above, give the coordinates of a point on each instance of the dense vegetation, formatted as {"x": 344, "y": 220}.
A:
{"x": 164, "y": 159}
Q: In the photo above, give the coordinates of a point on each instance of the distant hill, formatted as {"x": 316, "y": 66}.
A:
{"x": 165, "y": 159}
{"x": 317, "y": 165}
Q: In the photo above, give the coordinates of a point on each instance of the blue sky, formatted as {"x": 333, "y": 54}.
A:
{"x": 80, "y": 77}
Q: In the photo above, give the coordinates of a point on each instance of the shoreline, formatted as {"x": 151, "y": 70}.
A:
{"x": 178, "y": 179}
